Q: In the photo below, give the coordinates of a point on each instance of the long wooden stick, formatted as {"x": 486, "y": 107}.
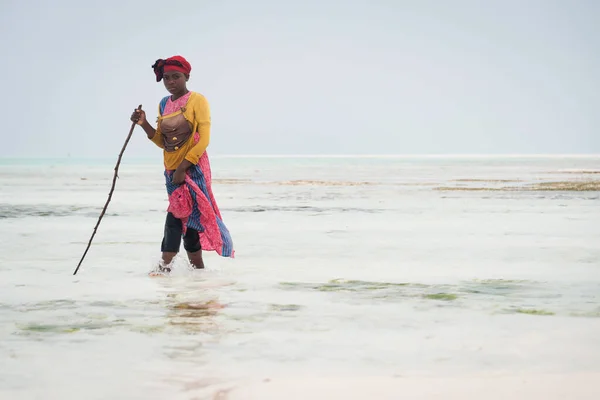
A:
{"x": 115, "y": 176}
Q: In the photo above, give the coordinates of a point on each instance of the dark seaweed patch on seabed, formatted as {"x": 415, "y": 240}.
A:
{"x": 355, "y": 286}
{"x": 95, "y": 316}
{"x": 491, "y": 294}
{"x": 49, "y": 305}
{"x": 308, "y": 209}
{"x": 499, "y": 287}
{"x": 68, "y": 327}
{"x": 45, "y": 210}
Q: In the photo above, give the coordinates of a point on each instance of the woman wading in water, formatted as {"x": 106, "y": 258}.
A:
{"x": 183, "y": 132}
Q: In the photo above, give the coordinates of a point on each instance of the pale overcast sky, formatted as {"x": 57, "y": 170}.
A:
{"x": 307, "y": 77}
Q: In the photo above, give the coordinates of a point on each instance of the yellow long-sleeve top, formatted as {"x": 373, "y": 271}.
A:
{"x": 197, "y": 112}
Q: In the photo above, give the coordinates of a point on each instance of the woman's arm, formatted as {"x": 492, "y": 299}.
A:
{"x": 202, "y": 117}
{"x": 139, "y": 117}
{"x": 150, "y": 131}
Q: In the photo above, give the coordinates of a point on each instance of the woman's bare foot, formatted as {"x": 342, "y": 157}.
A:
{"x": 164, "y": 266}
{"x": 160, "y": 270}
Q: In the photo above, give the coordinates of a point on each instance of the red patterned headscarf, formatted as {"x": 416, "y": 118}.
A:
{"x": 175, "y": 63}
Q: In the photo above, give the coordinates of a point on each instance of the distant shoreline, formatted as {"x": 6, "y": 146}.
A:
{"x": 364, "y": 156}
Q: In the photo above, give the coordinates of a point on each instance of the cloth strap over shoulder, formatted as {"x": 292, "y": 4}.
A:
{"x": 163, "y": 104}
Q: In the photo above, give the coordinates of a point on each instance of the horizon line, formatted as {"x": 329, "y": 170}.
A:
{"x": 427, "y": 155}
{"x": 432, "y": 155}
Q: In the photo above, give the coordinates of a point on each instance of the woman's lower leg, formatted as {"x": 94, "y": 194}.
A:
{"x": 196, "y": 259}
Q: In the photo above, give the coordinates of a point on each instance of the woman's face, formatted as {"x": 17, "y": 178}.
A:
{"x": 175, "y": 82}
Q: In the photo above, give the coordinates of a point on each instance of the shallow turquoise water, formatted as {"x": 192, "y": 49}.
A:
{"x": 355, "y": 266}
